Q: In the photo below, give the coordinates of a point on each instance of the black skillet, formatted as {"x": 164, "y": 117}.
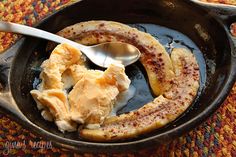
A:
{"x": 205, "y": 33}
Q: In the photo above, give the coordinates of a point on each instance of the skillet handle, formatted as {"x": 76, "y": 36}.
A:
{"x": 7, "y": 103}
{"x": 226, "y": 15}
{"x": 6, "y": 59}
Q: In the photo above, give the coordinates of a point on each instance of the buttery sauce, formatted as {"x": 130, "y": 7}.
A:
{"x": 122, "y": 99}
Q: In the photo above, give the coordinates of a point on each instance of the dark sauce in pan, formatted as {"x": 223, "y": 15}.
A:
{"x": 169, "y": 39}
{"x": 136, "y": 72}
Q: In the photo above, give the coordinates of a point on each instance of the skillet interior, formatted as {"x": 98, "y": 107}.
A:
{"x": 203, "y": 30}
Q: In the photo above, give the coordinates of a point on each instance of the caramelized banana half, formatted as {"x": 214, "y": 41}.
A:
{"x": 162, "y": 110}
{"x": 174, "y": 79}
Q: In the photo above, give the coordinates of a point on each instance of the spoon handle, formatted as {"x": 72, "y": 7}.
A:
{"x": 30, "y": 31}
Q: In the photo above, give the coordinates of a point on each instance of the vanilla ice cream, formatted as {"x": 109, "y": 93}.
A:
{"x": 92, "y": 97}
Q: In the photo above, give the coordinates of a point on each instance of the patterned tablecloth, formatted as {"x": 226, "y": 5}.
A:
{"x": 232, "y": 2}
{"x": 215, "y": 137}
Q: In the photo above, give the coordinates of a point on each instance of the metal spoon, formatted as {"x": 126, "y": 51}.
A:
{"x": 102, "y": 54}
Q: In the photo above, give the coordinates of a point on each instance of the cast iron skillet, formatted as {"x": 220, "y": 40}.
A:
{"x": 208, "y": 30}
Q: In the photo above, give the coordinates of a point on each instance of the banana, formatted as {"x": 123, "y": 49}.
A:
{"x": 174, "y": 79}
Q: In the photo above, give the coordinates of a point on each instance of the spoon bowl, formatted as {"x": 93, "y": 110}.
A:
{"x": 102, "y": 54}
{"x": 111, "y": 52}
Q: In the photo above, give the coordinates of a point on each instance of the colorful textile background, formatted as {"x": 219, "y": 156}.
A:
{"x": 232, "y": 2}
{"x": 215, "y": 137}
